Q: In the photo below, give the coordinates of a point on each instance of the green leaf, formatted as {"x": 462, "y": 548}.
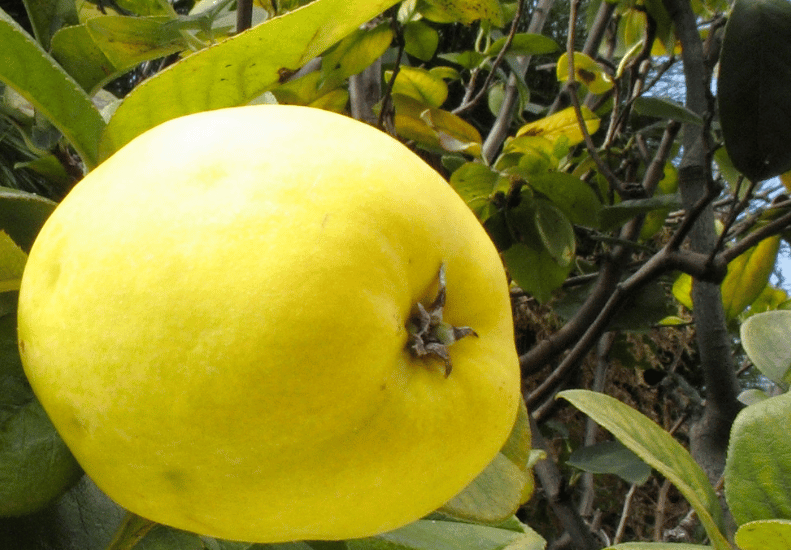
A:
{"x": 611, "y": 457}
{"x": 555, "y": 233}
{"x": 420, "y": 85}
{"x": 35, "y": 465}
{"x": 525, "y": 44}
{"x": 449, "y": 11}
{"x": 534, "y": 270}
{"x": 767, "y": 340}
{"x": 12, "y": 263}
{"x": 754, "y": 87}
{"x": 239, "y": 69}
{"x": 22, "y": 215}
{"x": 666, "y": 108}
{"x": 39, "y": 79}
{"x": 748, "y": 275}
{"x": 128, "y": 41}
{"x": 771, "y": 534}
{"x": 47, "y": 16}
{"x": 758, "y": 472}
{"x": 569, "y": 193}
{"x": 614, "y": 216}
{"x": 355, "y": 53}
{"x": 428, "y": 534}
{"x": 421, "y": 40}
{"x": 506, "y": 484}
{"x": 75, "y": 50}
{"x": 656, "y": 447}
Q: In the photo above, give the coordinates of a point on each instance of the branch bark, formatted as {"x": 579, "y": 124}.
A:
{"x": 709, "y": 436}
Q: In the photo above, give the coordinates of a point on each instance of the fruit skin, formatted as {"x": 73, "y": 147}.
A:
{"x": 215, "y": 320}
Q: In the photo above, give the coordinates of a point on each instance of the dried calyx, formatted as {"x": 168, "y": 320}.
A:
{"x": 428, "y": 334}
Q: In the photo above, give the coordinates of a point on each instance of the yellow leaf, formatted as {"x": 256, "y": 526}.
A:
{"x": 587, "y": 71}
{"x": 747, "y": 276}
{"x": 420, "y": 85}
{"x": 452, "y": 11}
{"x": 562, "y": 123}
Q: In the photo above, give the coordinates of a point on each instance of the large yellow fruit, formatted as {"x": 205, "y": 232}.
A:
{"x": 220, "y": 322}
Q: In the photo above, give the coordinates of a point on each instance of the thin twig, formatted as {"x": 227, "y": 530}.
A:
{"x": 469, "y": 104}
{"x": 624, "y": 516}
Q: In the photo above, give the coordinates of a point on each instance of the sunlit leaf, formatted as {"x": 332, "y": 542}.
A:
{"x": 754, "y": 88}
{"x": 12, "y": 263}
{"x": 47, "y": 16}
{"x": 39, "y": 79}
{"x": 748, "y": 275}
{"x": 421, "y": 40}
{"x": 758, "y": 470}
{"x": 420, "y": 85}
{"x": 562, "y": 123}
{"x": 428, "y": 534}
{"x": 449, "y": 11}
{"x": 572, "y": 195}
{"x": 433, "y": 128}
{"x": 356, "y": 52}
{"x": 128, "y": 41}
{"x": 660, "y": 450}
{"x": 770, "y": 534}
{"x": 587, "y": 71}
{"x": 236, "y": 70}
{"x": 767, "y": 340}
{"x": 786, "y": 180}
{"x": 525, "y": 44}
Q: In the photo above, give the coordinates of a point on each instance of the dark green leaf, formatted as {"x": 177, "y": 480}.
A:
{"x": 665, "y": 108}
{"x": 754, "y": 87}
{"x": 616, "y": 215}
{"x": 22, "y": 215}
{"x": 534, "y": 270}
{"x": 611, "y": 457}
{"x": 573, "y": 196}
{"x": 555, "y": 233}
{"x": 47, "y": 16}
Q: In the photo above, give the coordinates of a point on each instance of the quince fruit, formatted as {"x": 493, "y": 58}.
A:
{"x": 271, "y": 323}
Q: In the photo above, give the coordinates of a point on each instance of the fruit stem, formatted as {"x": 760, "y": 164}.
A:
{"x": 428, "y": 334}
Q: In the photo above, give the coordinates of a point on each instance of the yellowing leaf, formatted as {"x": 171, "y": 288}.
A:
{"x": 587, "y": 71}
{"x": 451, "y": 11}
{"x": 747, "y": 276}
{"x": 434, "y": 128}
{"x": 746, "y": 280}
{"x": 786, "y": 180}
{"x": 420, "y": 85}
{"x": 562, "y": 123}
{"x": 12, "y": 262}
